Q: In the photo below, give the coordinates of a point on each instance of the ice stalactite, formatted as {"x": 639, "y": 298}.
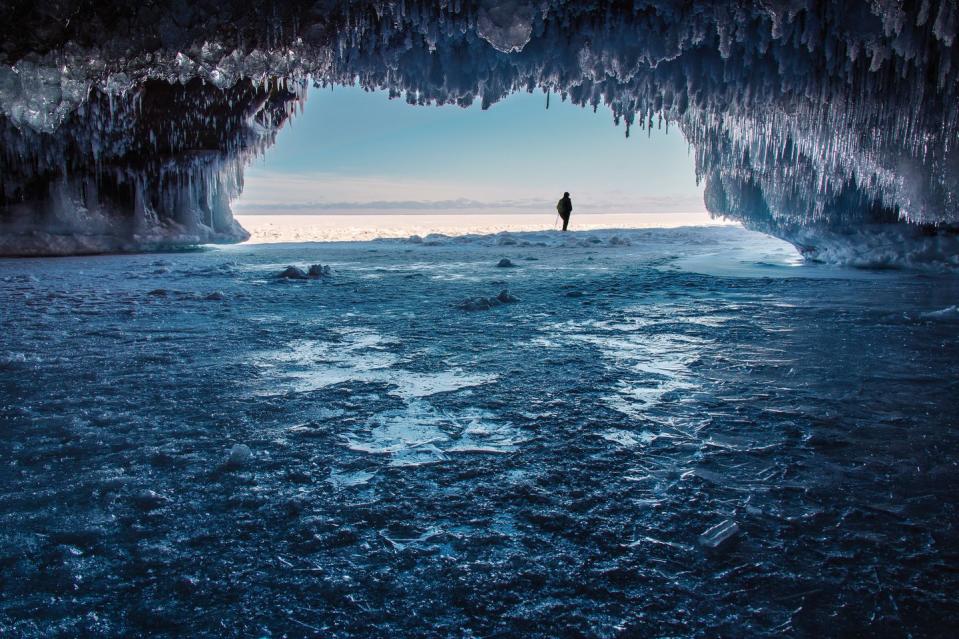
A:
{"x": 826, "y": 123}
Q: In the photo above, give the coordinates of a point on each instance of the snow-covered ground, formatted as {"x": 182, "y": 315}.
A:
{"x": 192, "y": 445}
{"x": 370, "y": 226}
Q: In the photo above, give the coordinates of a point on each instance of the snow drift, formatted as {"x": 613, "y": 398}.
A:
{"x": 830, "y": 124}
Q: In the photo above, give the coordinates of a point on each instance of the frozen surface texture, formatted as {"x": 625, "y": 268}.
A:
{"x": 824, "y": 123}
{"x": 193, "y": 447}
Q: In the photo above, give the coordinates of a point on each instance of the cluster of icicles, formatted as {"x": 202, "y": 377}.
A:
{"x": 155, "y": 167}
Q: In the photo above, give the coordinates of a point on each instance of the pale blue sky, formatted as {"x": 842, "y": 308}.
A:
{"x": 352, "y": 149}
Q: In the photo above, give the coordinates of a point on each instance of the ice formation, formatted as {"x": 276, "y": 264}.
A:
{"x": 830, "y": 124}
{"x": 156, "y": 165}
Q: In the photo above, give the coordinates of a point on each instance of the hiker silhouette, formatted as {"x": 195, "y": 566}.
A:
{"x": 564, "y": 207}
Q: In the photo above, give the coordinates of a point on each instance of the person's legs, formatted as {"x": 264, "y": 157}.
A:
{"x": 565, "y": 221}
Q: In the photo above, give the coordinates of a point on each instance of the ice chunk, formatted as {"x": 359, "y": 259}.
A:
{"x": 314, "y": 272}
{"x": 948, "y": 313}
{"x": 721, "y": 536}
{"x": 293, "y": 273}
{"x": 319, "y": 270}
{"x": 505, "y": 297}
{"x": 149, "y": 500}
{"x": 505, "y": 24}
{"x": 349, "y": 479}
{"x": 486, "y": 303}
{"x": 239, "y": 456}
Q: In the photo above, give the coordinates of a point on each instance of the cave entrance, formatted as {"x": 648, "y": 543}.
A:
{"x": 356, "y": 164}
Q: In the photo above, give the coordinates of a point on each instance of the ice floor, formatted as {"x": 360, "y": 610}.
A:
{"x": 540, "y": 468}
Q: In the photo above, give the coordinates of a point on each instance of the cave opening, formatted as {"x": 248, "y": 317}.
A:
{"x": 356, "y": 163}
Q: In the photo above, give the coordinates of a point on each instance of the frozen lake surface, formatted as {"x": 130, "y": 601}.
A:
{"x": 542, "y": 467}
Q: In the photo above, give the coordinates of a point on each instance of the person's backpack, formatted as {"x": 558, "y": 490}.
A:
{"x": 562, "y": 207}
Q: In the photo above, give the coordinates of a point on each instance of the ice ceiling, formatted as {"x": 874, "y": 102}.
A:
{"x": 126, "y": 125}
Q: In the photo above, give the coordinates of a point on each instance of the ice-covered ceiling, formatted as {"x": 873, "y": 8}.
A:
{"x": 831, "y": 124}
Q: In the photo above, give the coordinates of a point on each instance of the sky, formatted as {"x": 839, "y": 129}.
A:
{"x": 357, "y": 151}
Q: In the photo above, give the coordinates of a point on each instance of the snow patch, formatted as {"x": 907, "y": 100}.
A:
{"x": 360, "y": 356}
{"x": 420, "y": 434}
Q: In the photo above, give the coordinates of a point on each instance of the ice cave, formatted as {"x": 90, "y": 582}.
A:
{"x": 832, "y": 125}
{"x": 657, "y": 430}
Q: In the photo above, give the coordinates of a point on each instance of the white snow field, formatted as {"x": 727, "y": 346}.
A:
{"x": 192, "y": 445}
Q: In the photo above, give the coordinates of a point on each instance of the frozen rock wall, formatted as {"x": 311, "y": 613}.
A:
{"x": 830, "y": 124}
{"x": 156, "y": 166}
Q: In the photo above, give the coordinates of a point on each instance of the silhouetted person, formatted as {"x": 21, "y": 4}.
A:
{"x": 564, "y": 207}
